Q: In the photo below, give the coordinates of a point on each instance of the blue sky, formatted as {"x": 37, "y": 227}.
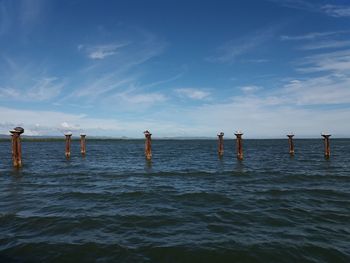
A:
{"x": 177, "y": 68}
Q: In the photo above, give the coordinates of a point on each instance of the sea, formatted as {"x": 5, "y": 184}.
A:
{"x": 185, "y": 205}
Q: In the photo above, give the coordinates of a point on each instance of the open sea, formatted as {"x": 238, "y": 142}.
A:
{"x": 186, "y": 205}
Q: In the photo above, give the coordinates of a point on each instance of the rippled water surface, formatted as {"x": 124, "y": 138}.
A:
{"x": 187, "y": 205}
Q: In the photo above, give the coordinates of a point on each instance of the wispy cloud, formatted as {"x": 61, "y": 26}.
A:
{"x": 336, "y": 10}
{"x": 231, "y": 50}
{"x": 326, "y": 44}
{"x": 140, "y": 99}
{"x": 5, "y": 20}
{"x": 191, "y": 93}
{"x": 326, "y": 90}
{"x": 333, "y": 62}
{"x": 314, "y": 6}
{"x": 257, "y": 60}
{"x": 102, "y": 51}
{"x": 313, "y": 35}
{"x": 113, "y": 76}
{"x": 43, "y": 89}
{"x": 332, "y": 87}
{"x": 31, "y": 11}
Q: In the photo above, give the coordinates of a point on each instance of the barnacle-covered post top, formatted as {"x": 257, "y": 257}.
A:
{"x": 291, "y": 143}
{"x": 147, "y": 133}
{"x": 221, "y": 144}
{"x": 16, "y": 146}
{"x": 239, "y": 144}
{"x": 327, "y": 147}
{"x": 238, "y": 133}
{"x": 17, "y": 130}
{"x": 326, "y": 134}
{"x": 148, "y": 145}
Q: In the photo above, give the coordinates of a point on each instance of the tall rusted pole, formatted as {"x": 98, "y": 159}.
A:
{"x": 221, "y": 144}
{"x": 327, "y": 147}
{"x": 82, "y": 144}
{"x": 148, "y": 145}
{"x": 16, "y": 146}
{"x": 68, "y": 142}
{"x": 291, "y": 143}
{"x": 239, "y": 145}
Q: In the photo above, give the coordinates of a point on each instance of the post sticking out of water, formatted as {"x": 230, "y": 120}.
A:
{"x": 148, "y": 146}
{"x": 82, "y": 144}
{"x": 239, "y": 145}
{"x": 291, "y": 143}
{"x": 221, "y": 144}
{"x": 68, "y": 142}
{"x": 327, "y": 148}
{"x": 16, "y": 146}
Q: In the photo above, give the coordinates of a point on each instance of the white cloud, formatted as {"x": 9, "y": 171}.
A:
{"x": 250, "y": 89}
{"x": 195, "y": 94}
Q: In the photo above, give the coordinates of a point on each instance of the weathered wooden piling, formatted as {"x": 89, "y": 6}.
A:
{"x": 82, "y": 144}
{"x": 239, "y": 145}
{"x": 291, "y": 143}
{"x": 68, "y": 143}
{"x": 327, "y": 147}
{"x": 221, "y": 144}
{"x": 16, "y": 146}
{"x": 148, "y": 145}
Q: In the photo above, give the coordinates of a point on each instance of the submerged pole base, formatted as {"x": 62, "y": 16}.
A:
{"x": 17, "y": 164}
{"x": 240, "y": 157}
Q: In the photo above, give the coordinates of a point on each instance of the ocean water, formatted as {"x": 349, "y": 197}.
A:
{"x": 186, "y": 205}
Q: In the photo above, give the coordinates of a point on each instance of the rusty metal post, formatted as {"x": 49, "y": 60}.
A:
{"x": 291, "y": 143}
{"x": 82, "y": 144}
{"x": 68, "y": 142}
{"x": 239, "y": 145}
{"x": 221, "y": 144}
{"x": 16, "y": 146}
{"x": 148, "y": 145}
{"x": 327, "y": 148}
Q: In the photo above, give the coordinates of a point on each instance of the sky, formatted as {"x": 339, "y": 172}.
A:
{"x": 177, "y": 68}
